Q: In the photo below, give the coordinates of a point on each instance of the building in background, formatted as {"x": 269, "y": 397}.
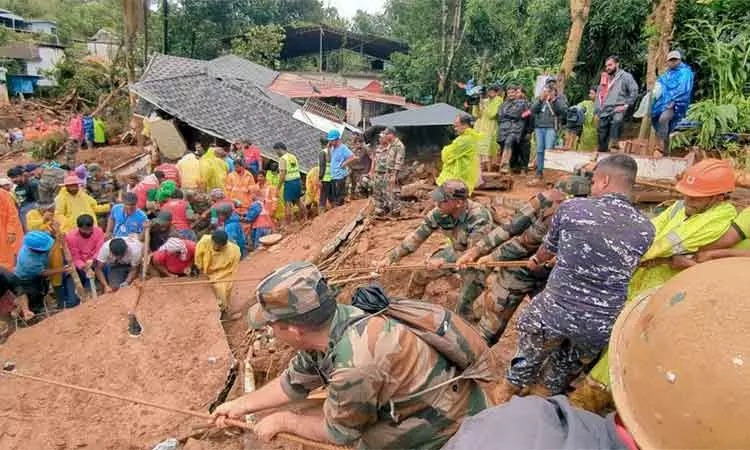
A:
{"x": 103, "y": 45}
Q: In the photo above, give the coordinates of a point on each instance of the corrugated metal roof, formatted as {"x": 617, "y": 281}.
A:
{"x": 296, "y": 86}
{"x": 20, "y": 50}
{"x": 431, "y": 115}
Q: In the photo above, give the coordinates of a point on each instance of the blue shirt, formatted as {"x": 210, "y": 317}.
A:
{"x": 339, "y": 155}
{"x": 125, "y": 225}
{"x": 31, "y": 264}
{"x": 599, "y": 243}
{"x": 236, "y": 234}
{"x": 230, "y": 164}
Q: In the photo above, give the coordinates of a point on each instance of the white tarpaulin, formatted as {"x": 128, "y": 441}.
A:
{"x": 648, "y": 168}
{"x": 167, "y": 138}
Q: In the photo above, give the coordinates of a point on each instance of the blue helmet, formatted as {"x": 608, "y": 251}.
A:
{"x": 334, "y": 135}
{"x": 38, "y": 241}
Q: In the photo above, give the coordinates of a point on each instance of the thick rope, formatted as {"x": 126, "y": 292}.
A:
{"x": 200, "y": 415}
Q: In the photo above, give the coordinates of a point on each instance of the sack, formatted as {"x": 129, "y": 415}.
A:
{"x": 448, "y": 333}
{"x": 575, "y": 117}
{"x": 51, "y": 179}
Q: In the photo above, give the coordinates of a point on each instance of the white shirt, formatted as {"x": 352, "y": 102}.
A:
{"x": 132, "y": 256}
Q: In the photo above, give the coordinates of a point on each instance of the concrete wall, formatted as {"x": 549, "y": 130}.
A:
{"x": 43, "y": 27}
{"x": 49, "y": 58}
{"x": 104, "y": 50}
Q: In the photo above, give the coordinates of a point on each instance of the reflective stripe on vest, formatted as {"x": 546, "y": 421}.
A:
{"x": 328, "y": 175}
{"x": 292, "y": 168}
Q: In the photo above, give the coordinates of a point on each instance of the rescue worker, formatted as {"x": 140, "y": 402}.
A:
{"x": 291, "y": 182}
{"x": 217, "y": 258}
{"x": 11, "y": 231}
{"x": 102, "y": 185}
{"x": 597, "y": 243}
{"x": 240, "y": 185}
{"x": 73, "y": 202}
{"x": 675, "y": 87}
{"x": 659, "y": 378}
{"x": 361, "y": 164}
{"x": 518, "y": 240}
{"x": 461, "y": 157}
{"x": 366, "y": 383}
{"x": 486, "y": 124}
{"x": 213, "y": 168}
{"x": 699, "y": 219}
{"x": 465, "y": 223}
{"x": 735, "y": 242}
{"x": 389, "y": 162}
{"x": 190, "y": 172}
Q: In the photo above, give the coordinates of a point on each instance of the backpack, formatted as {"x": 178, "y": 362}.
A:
{"x": 575, "y": 117}
{"x": 51, "y": 179}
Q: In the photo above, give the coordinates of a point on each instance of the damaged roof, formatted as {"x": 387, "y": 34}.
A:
{"x": 426, "y": 116}
{"x": 228, "y": 98}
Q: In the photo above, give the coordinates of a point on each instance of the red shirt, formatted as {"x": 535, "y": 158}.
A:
{"x": 251, "y": 154}
{"x": 178, "y": 208}
{"x": 172, "y": 261}
{"x": 170, "y": 171}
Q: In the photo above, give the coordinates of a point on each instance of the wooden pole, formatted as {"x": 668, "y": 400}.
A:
{"x": 72, "y": 271}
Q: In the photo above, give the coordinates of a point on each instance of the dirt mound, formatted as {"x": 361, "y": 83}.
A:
{"x": 181, "y": 360}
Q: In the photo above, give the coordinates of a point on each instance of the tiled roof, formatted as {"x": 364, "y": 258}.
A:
{"x": 229, "y": 107}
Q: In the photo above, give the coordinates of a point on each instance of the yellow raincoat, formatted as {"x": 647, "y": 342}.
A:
{"x": 312, "y": 189}
{"x": 74, "y": 206}
{"x": 588, "y": 140}
{"x": 190, "y": 172}
{"x": 219, "y": 265}
{"x": 676, "y": 234}
{"x": 35, "y": 222}
{"x": 487, "y": 124}
{"x": 461, "y": 159}
{"x": 213, "y": 170}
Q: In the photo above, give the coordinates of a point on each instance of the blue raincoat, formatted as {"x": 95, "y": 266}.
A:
{"x": 676, "y": 86}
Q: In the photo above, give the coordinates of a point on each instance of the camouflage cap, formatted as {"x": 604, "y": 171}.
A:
{"x": 451, "y": 190}
{"x": 575, "y": 185}
{"x": 289, "y": 293}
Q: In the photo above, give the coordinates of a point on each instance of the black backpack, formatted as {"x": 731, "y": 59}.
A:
{"x": 575, "y": 117}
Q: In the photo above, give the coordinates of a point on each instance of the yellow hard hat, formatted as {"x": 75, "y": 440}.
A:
{"x": 680, "y": 360}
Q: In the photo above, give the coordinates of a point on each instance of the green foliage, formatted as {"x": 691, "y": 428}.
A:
{"x": 716, "y": 119}
{"x": 90, "y": 79}
{"x": 44, "y": 149}
{"x": 261, "y": 44}
{"x": 372, "y": 24}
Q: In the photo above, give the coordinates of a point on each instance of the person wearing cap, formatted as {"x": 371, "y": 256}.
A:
{"x": 290, "y": 182}
{"x": 230, "y": 221}
{"x": 389, "y": 162}
{"x": 677, "y": 377}
{"x": 117, "y": 263}
{"x": 486, "y": 116}
{"x": 617, "y": 93}
{"x": 516, "y": 240}
{"x": 72, "y": 202}
{"x": 160, "y": 230}
{"x": 6, "y": 184}
{"x": 461, "y": 157}
{"x": 84, "y": 244}
{"x": 218, "y": 259}
{"x": 341, "y": 158}
{"x": 43, "y": 218}
{"x": 182, "y": 215}
{"x": 240, "y": 185}
{"x": 464, "y": 222}
{"x": 701, "y": 218}
{"x": 213, "y": 168}
{"x": 174, "y": 258}
{"x": 102, "y": 186}
{"x": 32, "y": 267}
{"x": 190, "y": 172}
{"x": 366, "y": 382}
{"x": 675, "y": 91}
{"x": 26, "y": 191}
{"x": 597, "y": 243}
{"x": 126, "y": 218}
{"x": 361, "y": 164}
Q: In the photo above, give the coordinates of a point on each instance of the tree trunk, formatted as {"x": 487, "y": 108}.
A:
{"x": 443, "y": 45}
{"x": 579, "y": 15}
{"x": 661, "y": 20}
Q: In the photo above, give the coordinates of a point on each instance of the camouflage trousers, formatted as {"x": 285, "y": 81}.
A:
{"x": 384, "y": 195}
{"x": 71, "y": 150}
{"x": 507, "y": 289}
{"x": 473, "y": 281}
{"x": 548, "y": 352}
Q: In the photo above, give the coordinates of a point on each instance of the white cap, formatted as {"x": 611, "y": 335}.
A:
{"x": 674, "y": 54}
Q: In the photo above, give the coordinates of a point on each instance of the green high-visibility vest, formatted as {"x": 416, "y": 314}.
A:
{"x": 328, "y": 175}
{"x": 292, "y": 167}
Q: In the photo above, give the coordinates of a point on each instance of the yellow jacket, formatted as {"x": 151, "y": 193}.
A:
{"x": 74, "y": 206}
{"x": 213, "y": 170}
{"x": 35, "y": 222}
{"x": 190, "y": 171}
{"x": 461, "y": 159}
{"x": 487, "y": 124}
{"x": 218, "y": 266}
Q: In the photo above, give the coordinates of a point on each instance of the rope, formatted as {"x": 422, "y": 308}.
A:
{"x": 186, "y": 412}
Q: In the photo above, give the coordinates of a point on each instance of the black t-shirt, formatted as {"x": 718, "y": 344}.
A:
{"x": 27, "y": 193}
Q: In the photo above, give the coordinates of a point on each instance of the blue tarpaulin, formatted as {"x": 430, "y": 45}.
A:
{"x": 22, "y": 84}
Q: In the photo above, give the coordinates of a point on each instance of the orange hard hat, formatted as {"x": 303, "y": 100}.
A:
{"x": 707, "y": 178}
{"x": 680, "y": 360}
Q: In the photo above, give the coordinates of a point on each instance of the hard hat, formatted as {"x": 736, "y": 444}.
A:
{"x": 334, "y": 135}
{"x": 680, "y": 360}
{"x": 707, "y": 178}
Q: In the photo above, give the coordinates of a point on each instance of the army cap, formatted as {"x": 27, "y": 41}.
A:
{"x": 451, "y": 190}
{"x": 296, "y": 293}
{"x": 575, "y": 185}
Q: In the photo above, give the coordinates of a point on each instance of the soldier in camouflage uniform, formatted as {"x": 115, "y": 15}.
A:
{"x": 389, "y": 161}
{"x": 598, "y": 243}
{"x": 376, "y": 393}
{"x": 515, "y": 241}
{"x": 465, "y": 223}
{"x": 102, "y": 186}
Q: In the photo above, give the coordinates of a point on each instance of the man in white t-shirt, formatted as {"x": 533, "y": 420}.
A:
{"x": 119, "y": 259}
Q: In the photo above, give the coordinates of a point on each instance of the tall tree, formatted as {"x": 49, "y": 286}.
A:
{"x": 579, "y": 15}
{"x": 132, "y": 14}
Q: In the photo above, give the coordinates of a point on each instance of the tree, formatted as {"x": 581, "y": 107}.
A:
{"x": 132, "y": 14}
{"x": 372, "y": 24}
{"x": 579, "y": 15}
{"x": 261, "y": 44}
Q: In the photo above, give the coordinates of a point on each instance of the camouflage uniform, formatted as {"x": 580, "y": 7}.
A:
{"x": 104, "y": 189}
{"x": 388, "y": 161}
{"x": 519, "y": 240}
{"x": 71, "y": 150}
{"x": 598, "y": 243}
{"x": 370, "y": 387}
{"x": 464, "y": 232}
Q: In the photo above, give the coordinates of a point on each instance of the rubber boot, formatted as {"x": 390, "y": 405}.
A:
{"x": 592, "y": 396}
{"x": 504, "y": 392}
